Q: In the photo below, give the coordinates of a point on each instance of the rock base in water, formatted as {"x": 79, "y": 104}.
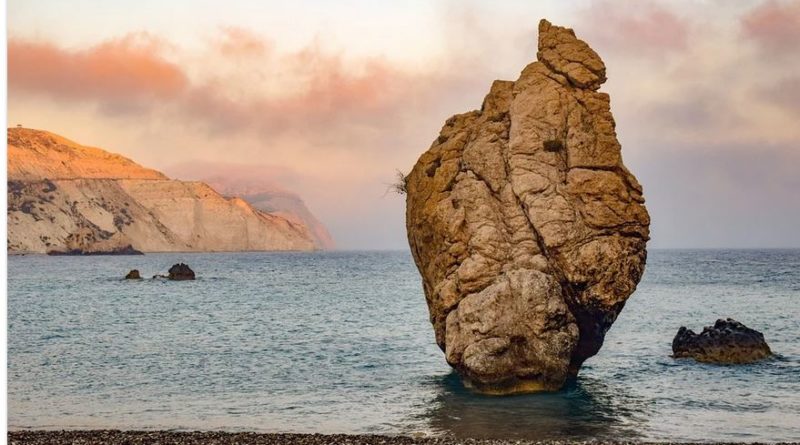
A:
{"x": 180, "y": 272}
{"x": 133, "y": 275}
{"x": 727, "y": 342}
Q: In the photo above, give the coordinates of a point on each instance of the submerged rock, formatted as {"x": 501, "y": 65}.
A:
{"x": 527, "y": 229}
{"x": 180, "y": 272}
{"x": 727, "y": 342}
{"x": 133, "y": 275}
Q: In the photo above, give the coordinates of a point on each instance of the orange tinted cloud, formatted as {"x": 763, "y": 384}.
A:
{"x": 331, "y": 87}
{"x": 240, "y": 41}
{"x": 329, "y": 99}
{"x": 116, "y": 71}
{"x": 326, "y": 99}
{"x": 774, "y": 25}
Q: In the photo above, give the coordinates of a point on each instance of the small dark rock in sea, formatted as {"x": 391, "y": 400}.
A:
{"x": 727, "y": 342}
{"x": 122, "y": 250}
{"x": 180, "y": 272}
{"x": 133, "y": 275}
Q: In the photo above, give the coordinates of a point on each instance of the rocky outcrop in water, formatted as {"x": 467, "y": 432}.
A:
{"x": 527, "y": 229}
{"x": 727, "y": 342}
{"x": 180, "y": 272}
{"x": 133, "y": 275}
{"x": 67, "y": 198}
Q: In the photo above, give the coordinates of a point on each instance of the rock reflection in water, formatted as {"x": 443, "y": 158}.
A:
{"x": 584, "y": 409}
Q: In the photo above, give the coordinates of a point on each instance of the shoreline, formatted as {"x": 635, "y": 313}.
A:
{"x": 162, "y": 437}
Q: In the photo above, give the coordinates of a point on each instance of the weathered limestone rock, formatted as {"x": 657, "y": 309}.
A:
{"x": 727, "y": 342}
{"x": 527, "y": 229}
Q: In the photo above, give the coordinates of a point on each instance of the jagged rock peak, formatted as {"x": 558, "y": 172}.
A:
{"x": 569, "y": 56}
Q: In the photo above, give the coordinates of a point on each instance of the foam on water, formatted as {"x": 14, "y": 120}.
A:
{"x": 340, "y": 342}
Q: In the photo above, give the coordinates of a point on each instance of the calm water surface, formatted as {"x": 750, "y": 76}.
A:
{"x": 340, "y": 342}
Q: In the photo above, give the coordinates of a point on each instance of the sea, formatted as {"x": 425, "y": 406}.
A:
{"x": 339, "y": 342}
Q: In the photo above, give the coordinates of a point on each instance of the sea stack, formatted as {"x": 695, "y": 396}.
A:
{"x": 526, "y": 227}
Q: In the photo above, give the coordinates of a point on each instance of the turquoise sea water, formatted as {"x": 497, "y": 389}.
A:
{"x": 340, "y": 342}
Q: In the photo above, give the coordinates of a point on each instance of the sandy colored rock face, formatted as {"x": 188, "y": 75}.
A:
{"x": 36, "y": 155}
{"x": 53, "y": 207}
{"x": 275, "y": 201}
{"x": 527, "y": 229}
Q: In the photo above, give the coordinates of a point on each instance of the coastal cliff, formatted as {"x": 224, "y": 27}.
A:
{"x": 255, "y": 185}
{"x": 282, "y": 203}
{"x": 526, "y": 227}
{"x": 63, "y": 196}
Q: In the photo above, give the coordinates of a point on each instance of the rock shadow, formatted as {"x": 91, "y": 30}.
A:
{"x": 586, "y": 409}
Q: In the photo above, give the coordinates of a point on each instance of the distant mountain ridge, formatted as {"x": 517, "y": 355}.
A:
{"x": 254, "y": 185}
{"x": 64, "y": 196}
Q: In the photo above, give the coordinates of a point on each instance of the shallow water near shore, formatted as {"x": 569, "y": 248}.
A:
{"x": 339, "y": 342}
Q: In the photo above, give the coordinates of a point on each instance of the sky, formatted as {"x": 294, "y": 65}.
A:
{"x": 330, "y": 99}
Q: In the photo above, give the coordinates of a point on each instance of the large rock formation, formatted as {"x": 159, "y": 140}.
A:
{"x": 527, "y": 229}
{"x": 64, "y": 197}
{"x": 727, "y": 342}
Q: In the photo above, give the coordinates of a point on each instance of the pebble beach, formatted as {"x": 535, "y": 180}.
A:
{"x": 114, "y": 437}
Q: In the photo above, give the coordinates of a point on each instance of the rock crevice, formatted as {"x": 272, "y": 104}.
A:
{"x": 527, "y": 229}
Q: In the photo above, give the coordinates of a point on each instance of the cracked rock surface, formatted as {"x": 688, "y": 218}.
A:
{"x": 527, "y": 229}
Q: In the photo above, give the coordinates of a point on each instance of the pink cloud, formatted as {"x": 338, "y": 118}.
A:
{"x": 240, "y": 41}
{"x": 330, "y": 99}
{"x": 774, "y": 25}
{"x": 331, "y": 94}
{"x": 119, "y": 70}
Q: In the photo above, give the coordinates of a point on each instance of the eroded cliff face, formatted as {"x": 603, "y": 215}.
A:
{"x": 290, "y": 206}
{"x": 276, "y": 201}
{"x": 63, "y": 196}
{"x": 527, "y": 229}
